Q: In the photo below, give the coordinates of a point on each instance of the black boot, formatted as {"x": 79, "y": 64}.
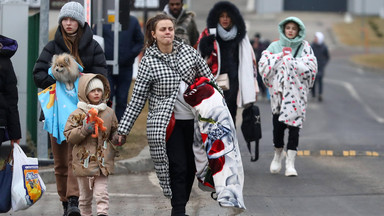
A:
{"x": 65, "y": 207}
{"x": 73, "y": 206}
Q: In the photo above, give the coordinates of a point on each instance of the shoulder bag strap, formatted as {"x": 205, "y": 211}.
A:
{"x": 298, "y": 48}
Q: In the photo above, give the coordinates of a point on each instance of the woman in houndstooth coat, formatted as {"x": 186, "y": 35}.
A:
{"x": 166, "y": 69}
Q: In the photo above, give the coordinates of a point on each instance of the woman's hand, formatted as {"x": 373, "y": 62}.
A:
{"x": 15, "y": 141}
{"x": 118, "y": 140}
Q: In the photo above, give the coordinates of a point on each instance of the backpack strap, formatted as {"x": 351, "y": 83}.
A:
{"x": 297, "y": 51}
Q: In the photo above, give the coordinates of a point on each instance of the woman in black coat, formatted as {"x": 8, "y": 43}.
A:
{"x": 9, "y": 112}
{"x": 230, "y": 44}
{"x": 80, "y": 44}
{"x": 73, "y": 36}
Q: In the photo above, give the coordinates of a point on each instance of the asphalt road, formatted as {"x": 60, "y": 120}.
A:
{"x": 325, "y": 186}
{"x": 340, "y": 174}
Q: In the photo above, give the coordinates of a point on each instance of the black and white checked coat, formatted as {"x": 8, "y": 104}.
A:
{"x": 158, "y": 80}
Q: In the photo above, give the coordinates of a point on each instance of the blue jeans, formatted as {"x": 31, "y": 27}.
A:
{"x": 120, "y": 85}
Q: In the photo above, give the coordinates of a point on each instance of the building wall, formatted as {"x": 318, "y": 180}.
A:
{"x": 365, "y": 7}
{"x": 316, "y": 5}
{"x": 268, "y": 6}
{"x": 356, "y": 7}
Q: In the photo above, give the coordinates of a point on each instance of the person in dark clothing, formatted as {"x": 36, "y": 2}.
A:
{"x": 9, "y": 112}
{"x": 73, "y": 36}
{"x": 87, "y": 52}
{"x": 186, "y": 28}
{"x": 322, "y": 55}
{"x": 258, "y": 47}
{"x": 131, "y": 42}
{"x": 229, "y": 51}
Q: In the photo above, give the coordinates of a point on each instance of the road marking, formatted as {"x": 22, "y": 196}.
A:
{"x": 372, "y": 153}
{"x": 349, "y": 153}
{"x": 356, "y": 96}
{"x": 360, "y": 71}
{"x": 303, "y": 152}
{"x": 345, "y": 153}
{"x": 326, "y": 152}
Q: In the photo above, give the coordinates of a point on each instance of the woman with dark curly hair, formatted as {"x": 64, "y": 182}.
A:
{"x": 166, "y": 69}
{"x": 226, "y": 46}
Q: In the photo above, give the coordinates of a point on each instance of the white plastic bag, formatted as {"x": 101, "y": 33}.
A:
{"x": 27, "y": 185}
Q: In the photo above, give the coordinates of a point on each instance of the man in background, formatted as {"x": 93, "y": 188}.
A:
{"x": 131, "y": 42}
{"x": 322, "y": 56}
{"x": 258, "y": 47}
{"x": 186, "y": 28}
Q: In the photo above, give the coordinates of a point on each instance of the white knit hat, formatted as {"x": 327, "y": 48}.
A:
{"x": 94, "y": 83}
{"x": 320, "y": 37}
{"x": 73, "y": 10}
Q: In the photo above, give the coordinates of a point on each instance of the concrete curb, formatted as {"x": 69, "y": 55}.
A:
{"x": 140, "y": 163}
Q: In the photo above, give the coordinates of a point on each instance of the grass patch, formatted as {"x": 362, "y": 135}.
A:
{"x": 370, "y": 60}
{"x": 137, "y": 138}
{"x": 362, "y": 31}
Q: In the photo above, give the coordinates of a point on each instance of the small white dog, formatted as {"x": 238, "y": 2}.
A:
{"x": 65, "y": 69}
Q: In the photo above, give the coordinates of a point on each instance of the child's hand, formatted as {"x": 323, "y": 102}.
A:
{"x": 88, "y": 127}
{"x": 118, "y": 140}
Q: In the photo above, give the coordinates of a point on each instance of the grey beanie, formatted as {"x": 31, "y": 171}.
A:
{"x": 73, "y": 10}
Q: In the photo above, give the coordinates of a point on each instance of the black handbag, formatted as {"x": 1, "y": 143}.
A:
{"x": 251, "y": 129}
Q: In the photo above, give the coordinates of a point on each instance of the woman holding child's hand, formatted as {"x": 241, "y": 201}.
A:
{"x": 166, "y": 69}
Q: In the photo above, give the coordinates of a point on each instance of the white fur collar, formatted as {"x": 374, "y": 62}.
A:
{"x": 86, "y": 107}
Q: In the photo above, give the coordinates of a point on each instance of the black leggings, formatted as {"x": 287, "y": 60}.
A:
{"x": 231, "y": 98}
{"x": 278, "y": 134}
{"x": 182, "y": 167}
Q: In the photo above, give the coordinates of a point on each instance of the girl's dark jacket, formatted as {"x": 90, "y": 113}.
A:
{"x": 90, "y": 52}
{"x": 229, "y": 49}
{"x": 9, "y": 113}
